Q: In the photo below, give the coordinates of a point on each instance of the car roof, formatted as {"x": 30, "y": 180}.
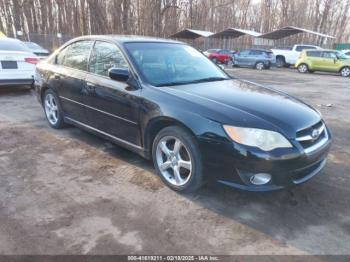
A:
{"x": 257, "y": 49}
{"x": 127, "y": 39}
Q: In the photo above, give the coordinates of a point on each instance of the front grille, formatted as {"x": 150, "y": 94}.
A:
{"x": 313, "y": 137}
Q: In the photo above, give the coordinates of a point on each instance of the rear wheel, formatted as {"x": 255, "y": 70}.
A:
{"x": 177, "y": 160}
{"x": 303, "y": 68}
{"x": 215, "y": 61}
{"x": 345, "y": 71}
{"x": 53, "y": 109}
{"x": 259, "y": 66}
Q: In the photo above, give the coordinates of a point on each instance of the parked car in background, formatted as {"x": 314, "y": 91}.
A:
{"x": 255, "y": 58}
{"x": 222, "y": 56}
{"x": 41, "y": 52}
{"x": 346, "y": 52}
{"x": 323, "y": 60}
{"x": 17, "y": 63}
{"x": 288, "y": 56}
{"x": 159, "y": 98}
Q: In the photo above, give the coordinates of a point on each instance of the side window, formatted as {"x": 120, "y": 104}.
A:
{"x": 105, "y": 56}
{"x": 330, "y": 55}
{"x": 255, "y": 52}
{"x": 245, "y": 52}
{"x": 300, "y": 48}
{"x": 313, "y": 53}
{"x": 347, "y": 53}
{"x": 60, "y": 57}
{"x": 77, "y": 55}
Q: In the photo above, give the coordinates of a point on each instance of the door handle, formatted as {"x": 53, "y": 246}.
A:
{"x": 90, "y": 88}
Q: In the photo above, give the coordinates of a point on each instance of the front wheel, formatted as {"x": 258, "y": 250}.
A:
{"x": 215, "y": 61}
{"x": 53, "y": 110}
{"x": 177, "y": 159}
{"x": 345, "y": 71}
{"x": 303, "y": 68}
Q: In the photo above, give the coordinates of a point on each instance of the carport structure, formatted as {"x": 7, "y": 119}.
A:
{"x": 235, "y": 32}
{"x": 227, "y": 38}
{"x": 191, "y": 34}
{"x": 288, "y": 31}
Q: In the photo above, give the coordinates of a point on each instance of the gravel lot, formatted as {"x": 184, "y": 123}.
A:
{"x": 68, "y": 192}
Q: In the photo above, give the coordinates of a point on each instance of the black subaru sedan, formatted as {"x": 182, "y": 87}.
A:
{"x": 167, "y": 102}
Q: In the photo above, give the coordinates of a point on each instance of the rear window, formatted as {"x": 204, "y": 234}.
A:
{"x": 313, "y": 53}
{"x": 302, "y": 47}
{"x": 13, "y": 45}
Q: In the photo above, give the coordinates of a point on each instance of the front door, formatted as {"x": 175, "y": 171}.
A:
{"x": 330, "y": 61}
{"x": 112, "y": 106}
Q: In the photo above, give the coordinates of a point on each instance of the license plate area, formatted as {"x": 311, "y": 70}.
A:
{"x": 9, "y": 65}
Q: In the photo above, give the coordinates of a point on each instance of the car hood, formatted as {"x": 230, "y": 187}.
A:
{"x": 247, "y": 104}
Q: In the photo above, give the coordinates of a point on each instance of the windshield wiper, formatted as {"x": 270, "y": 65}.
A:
{"x": 208, "y": 79}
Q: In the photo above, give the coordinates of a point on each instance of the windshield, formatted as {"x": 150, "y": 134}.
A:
{"x": 12, "y": 45}
{"x": 165, "y": 64}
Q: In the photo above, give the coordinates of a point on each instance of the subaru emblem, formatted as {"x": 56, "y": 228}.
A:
{"x": 315, "y": 133}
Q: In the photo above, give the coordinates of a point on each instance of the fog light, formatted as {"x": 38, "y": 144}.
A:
{"x": 260, "y": 179}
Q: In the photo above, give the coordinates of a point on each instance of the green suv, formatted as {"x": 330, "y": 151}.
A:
{"x": 323, "y": 60}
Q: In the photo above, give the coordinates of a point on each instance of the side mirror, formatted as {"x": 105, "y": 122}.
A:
{"x": 119, "y": 74}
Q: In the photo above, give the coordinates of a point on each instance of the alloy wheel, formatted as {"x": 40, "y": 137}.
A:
{"x": 303, "y": 68}
{"x": 259, "y": 66}
{"x": 51, "y": 109}
{"x": 345, "y": 71}
{"x": 174, "y": 160}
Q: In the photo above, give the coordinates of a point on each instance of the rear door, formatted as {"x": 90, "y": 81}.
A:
{"x": 112, "y": 106}
{"x": 255, "y": 56}
{"x": 242, "y": 58}
{"x": 68, "y": 78}
{"x": 314, "y": 59}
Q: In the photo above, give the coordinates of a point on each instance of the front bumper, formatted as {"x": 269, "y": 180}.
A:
{"x": 233, "y": 165}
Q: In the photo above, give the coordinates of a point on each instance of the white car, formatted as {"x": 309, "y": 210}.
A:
{"x": 288, "y": 56}
{"x": 41, "y": 52}
{"x": 346, "y": 52}
{"x": 17, "y": 63}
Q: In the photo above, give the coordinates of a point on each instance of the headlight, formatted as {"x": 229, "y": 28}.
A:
{"x": 263, "y": 139}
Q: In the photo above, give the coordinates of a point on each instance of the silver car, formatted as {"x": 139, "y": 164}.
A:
{"x": 254, "y": 58}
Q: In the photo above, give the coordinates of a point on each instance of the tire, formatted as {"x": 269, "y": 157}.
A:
{"x": 280, "y": 62}
{"x": 167, "y": 159}
{"x": 303, "y": 68}
{"x": 259, "y": 66}
{"x": 345, "y": 71}
{"x": 215, "y": 61}
{"x": 52, "y": 109}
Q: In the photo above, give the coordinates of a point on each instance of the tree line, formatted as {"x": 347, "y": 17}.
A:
{"x": 165, "y": 17}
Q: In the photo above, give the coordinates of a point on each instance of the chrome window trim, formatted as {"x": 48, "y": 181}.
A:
{"x": 104, "y": 133}
{"x": 98, "y": 110}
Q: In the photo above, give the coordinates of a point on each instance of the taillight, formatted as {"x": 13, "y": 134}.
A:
{"x": 31, "y": 60}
